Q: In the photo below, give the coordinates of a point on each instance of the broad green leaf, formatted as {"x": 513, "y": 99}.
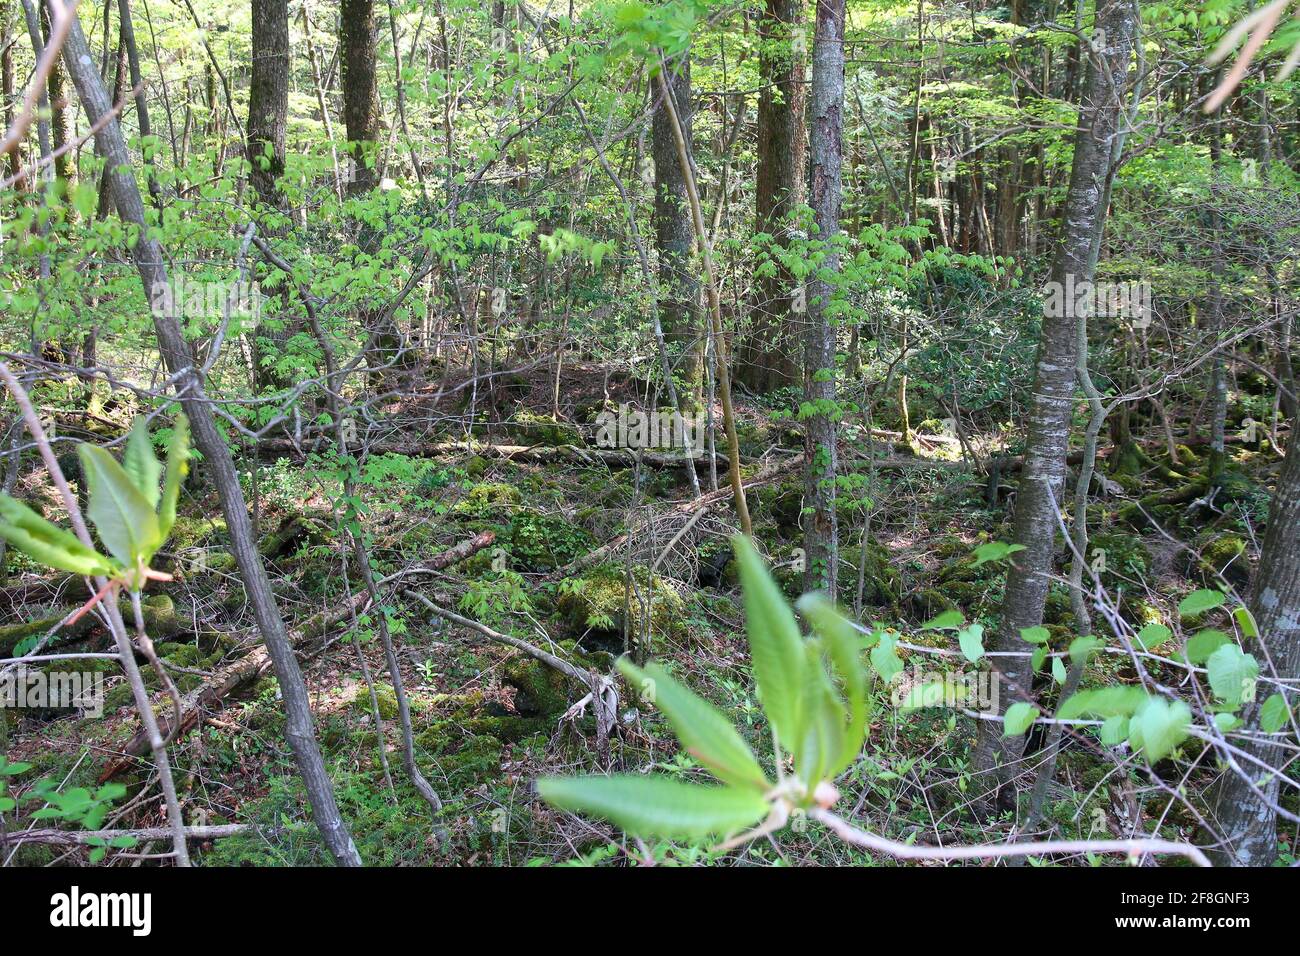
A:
{"x": 840, "y": 640}
{"x": 1159, "y": 726}
{"x": 1058, "y": 670}
{"x": 1232, "y": 675}
{"x": 1226, "y": 722}
{"x": 178, "y": 466}
{"x": 948, "y": 619}
{"x": 1035, "y": 635}
{"x": 1104, "y": 702}
{"x": 1198, "y": 602}
{"x": 971, "y": 639}
{"x": 931, "y": 694}
{"x": 657, "y": 806}
{"x": 1083, "y": 647}
{"x": 702, "y": 729}
{"x": 1204, "y": 643}
{"x": 995, "y": 551}
{"x": 1274, "y": 714}
{"x": 1246, "y": 621}
{"x": 775, "y": 644}
{"x": 125, "y": 522}
{"x": 142, "y": 464}
{"x": 1037, "y": 657}
{"x": 824, "y": 717}
{"x": 1152, "y": 636}
{"x": 885, "y": 659}
{"x": 47, "y": 543}
{"x": 1113, "y": 730}
{"x": 1018, "y": 718}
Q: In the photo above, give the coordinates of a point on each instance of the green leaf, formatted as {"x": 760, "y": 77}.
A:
{"x": 1246, "y": 621}
{"x": 702, "y": 729}
{"x": 1198, "y": 602}
{"x": 1232, "y": 675}
{"x": 948, "y": 619}
{"x": 1037, "y": 657}
{"x": 776, "y": 647}
{"x": 840, "y": 640}
{"x": 1159, "y": 726}
{"x": 141, "y": 463}
{"x": 178, "y": 466}
{"x": 1201, "y": 645}
{"x": 46, "y": 542}
{"x": 126, "y": 523}
{"x": 1083, "y": 647}
{"x": 885, "y": 659}
{"x": 995, "y": 551}
{"x": 1152, "y": 636}
{"x": 1113, "y": 730}
{"x": 657, "y": 806}
{"x": 1018, "y": 718}
{"x": 1225, "y": 721}
{"x": 1274, "y": 714}
{"x": 971, "y": 639}
{"x": 1058, "y": 670}
{"x": 1104, "y": 702}
{"x": 1035, "y": 635}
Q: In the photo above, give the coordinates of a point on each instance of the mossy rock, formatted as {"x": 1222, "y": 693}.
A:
{"x": 540, "y": 690}
{"x": 490, "y": 497}
{"x": 1126, "y": 554}
{"x": 1226, "y": 555}
{"x": 596, "y": 602}
{"x": 532, "y": 429}
{"x": 784, "y": 503}
{"x": 882, "y": 582}
{"x": 384, "y": 694}
{"x": 476, "y": 467}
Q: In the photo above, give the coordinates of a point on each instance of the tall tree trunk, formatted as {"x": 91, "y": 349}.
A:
{"x": 63, "y": 120}
{"x": 217, "y": 460}
{"x": 1247, "y": 823}
{"x": 268, "y": 98}
{"x": 360, "y": 91}
{"x": 1042, "y": 478}
{"x": 821, "y": 543}
{"x": 679, "y": 289}
{"x": 765, "y": 359}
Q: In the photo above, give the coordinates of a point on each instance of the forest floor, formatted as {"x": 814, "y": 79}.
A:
{"x": 488, "y": 720}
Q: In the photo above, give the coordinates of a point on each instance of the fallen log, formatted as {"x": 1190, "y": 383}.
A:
{"x": 160, "y": 621}
{"x": 85, "y": 837}
{"x": 543, "y": 454}
{"x": 257, "y": 664}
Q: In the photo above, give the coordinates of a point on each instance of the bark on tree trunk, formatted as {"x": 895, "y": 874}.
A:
{"x": 360, "y": 93}
{"x": 1042, "y": 479}
{"x": 821, "y": 544}
{"x": 179, "y": 360}
{"x": 679, "y": 289}
{"x": 764, "y": 360}
{"x": 268, "y": 97}
{"x": 1248, "y": 824}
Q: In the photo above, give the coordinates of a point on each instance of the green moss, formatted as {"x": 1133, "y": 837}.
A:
{"x": 488, "y": 498}
{"x": 386, "y": 697}
{"x": 543, "y": 542}
{"x": 596, "y": 602}
{"x": 1225, "y": 554}
{"x": 533, "y": 429}
{"x": 539, "y": 689}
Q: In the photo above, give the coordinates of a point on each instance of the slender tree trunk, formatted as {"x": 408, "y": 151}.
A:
{"x": 268, "y": 98}
{"x": 218, "y": 463}
{"x": 679, "y": 289}
{"x": 765, "y": 359}
{"x": 1248, "y": 824}
{"x": 1042, "y": 478}
{"x": 821, "y": 542}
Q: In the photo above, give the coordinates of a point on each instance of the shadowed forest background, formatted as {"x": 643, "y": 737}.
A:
{"x": 378, "y": 375}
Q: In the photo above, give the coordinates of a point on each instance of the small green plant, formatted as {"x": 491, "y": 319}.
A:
{"x": 814, "y": 694}
{"x": 131, "y": 512}
{"x": 7, "y": 770}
